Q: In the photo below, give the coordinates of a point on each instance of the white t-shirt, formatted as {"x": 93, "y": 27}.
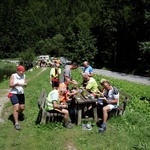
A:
{"x": 18, "y": 79}
{"x": 112, "y": 94}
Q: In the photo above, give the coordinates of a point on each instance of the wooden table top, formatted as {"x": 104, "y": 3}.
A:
{"x": 83, "y": 98}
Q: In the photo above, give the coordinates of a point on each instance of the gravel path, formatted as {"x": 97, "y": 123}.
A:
{"x": 124, "y": 76}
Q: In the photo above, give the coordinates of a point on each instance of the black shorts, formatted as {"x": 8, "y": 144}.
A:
{"x": 59, "y": 109}
{"x": 55, "y": 84}
{"x": 17, "y": 99}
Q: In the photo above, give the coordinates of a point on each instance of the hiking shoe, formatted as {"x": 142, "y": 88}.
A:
{"x": 102, "y": 129}
{"x": 17, "y": 127}
{"x": 68, "y": 125}
{"x": 86, "y": 126}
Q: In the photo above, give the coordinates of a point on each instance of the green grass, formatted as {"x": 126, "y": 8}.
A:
{"x": 130, "y": 131}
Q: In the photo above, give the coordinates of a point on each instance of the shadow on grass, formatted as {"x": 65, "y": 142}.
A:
{"x": 11, "y": 118}
{"x": 20, "y": 118}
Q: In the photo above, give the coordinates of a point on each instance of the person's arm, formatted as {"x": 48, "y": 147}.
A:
{"x": 71, "y": 81}
{"x": 114, "y": 101}
{"x": 91, "y": 72}
{"x": 59, "y": 71}
{"x": 25, "y": 82}
{"x": 89, "y": 86}
{"x": 50, "y": 79}
{"x": 71, "y": 94}
{"x": 58, "y": 106}
{"x": 101, "y": 93}
{"x": 11, "y": 82}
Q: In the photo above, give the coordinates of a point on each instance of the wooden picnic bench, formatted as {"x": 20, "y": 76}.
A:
{"x": 82, "y": 100}
{"x": 123, "y": 101}
{"x": 43, "y": 115}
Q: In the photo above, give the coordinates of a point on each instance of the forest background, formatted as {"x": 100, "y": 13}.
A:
{"x": 112, "y": 34}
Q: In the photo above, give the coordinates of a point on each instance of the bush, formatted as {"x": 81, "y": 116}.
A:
{"x": 27, "y": 58}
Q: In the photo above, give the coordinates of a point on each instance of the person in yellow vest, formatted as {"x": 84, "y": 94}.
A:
{"x": 53, "y": 103}
{"x": 54, "y": 76}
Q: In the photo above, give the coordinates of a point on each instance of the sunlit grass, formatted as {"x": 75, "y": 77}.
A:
{"x": 130, "y": 131}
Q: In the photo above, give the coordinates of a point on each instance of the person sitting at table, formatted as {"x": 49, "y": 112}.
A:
{"x": 64, "y": 97}
{"x": 53, "y": 103}
{"x": 92, "y": 88}
{"x": 111, "y": 101}
{"x": 92, "y": 85}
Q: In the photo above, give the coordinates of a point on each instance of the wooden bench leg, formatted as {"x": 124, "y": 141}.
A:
{"x": 43, "y": 120}
{"x": 95, "y": 112}
{"x": 79, "y": 114}
{"x": 39, "y": 117}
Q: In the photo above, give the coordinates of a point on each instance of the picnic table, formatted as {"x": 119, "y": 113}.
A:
{"x": 82, "y": 99}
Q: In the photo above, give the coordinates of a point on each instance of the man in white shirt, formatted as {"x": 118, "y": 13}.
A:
{"x": 111, "y": 101}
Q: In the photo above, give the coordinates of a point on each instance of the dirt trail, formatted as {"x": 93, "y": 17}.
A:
{"x": 4, "y": 99}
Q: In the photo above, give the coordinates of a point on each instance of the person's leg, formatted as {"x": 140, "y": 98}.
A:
{"x": 21, "y": 98}
{"x": 66, "y": 117}
{"x": 21, "y": 115}
{"x": 106, "y": 109}
{"x": 15, "y": 102}
{"x": 15, "y": 113}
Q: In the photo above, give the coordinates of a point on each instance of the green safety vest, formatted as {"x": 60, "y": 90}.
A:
{"x": 49, "y": 102}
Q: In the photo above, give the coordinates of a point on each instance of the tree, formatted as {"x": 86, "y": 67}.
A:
{"x": 79, "y": 43}
{"x": 50, "y": 46}
{"x": 144, "y": 61}
{"x": 27, "y": 58}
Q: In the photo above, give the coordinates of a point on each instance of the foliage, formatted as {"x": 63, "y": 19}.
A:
{"x": 27, "y": 58}
{"x": 106, "y": 31}
{"x": 6, "y": 69}
{"x": 79, "y": 43}
{"x": 52, "y": 46}
{"x": 144, "y": 57}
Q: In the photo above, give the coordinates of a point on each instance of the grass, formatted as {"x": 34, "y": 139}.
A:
{"x": 130, "y": 131}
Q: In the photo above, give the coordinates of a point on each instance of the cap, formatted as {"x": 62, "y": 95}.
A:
{"x": 103, "y": 80}
{"x": 20, "y": 68}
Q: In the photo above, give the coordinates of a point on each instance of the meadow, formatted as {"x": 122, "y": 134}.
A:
{"x": 128, "y": 132}
{"x": 6, "y": 69}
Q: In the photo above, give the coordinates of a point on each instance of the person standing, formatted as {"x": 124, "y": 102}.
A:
{"x": 66, "y": 75}
{"x": 54, "y": 76}
{"x": 16, "y": 95}
{"x": 87, "y": 69}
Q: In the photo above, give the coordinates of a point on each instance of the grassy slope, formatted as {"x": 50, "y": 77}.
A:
{"x": 130, "y": 131}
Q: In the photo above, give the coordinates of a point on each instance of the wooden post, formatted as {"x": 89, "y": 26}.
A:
{"x": 43, "y": 120}
{"x": 79, "y": 114}
{"x": 95, "y": 112}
